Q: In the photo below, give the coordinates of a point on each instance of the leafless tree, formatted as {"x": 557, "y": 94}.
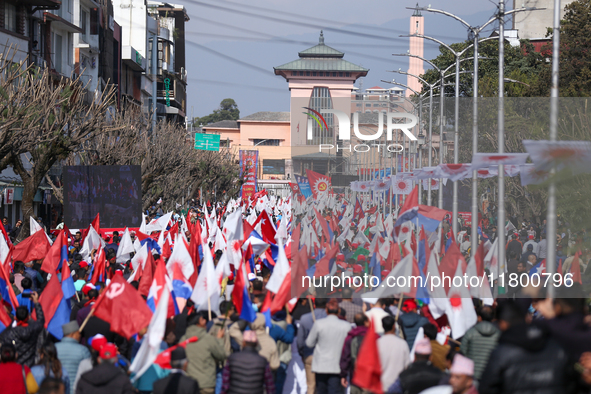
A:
{"x": 53, "y": 117}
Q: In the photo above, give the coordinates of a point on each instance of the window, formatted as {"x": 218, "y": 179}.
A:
{"x": 70, "y": 49}
{"x": 313, "y": 73}
{"x": 334, "y": 74}
{"x": 10, "y": 17}
{"x": 320, "y": 74}
{"x": 224, "y": 143}
{"x": 347, "y": 74}
{"x": 266, "y": 142}
{"x": 376, "y": 105}
{"x": 274, "y": 167}
{"x": 301, "y": 73}
{"x": 358, "y": 104}
{"x": 293, "y": 73}
{"x": 321, "y": 99}
{"x": 340, "y": 74}
{"x": 84, "y": 23}
{"x": 307, "y": 73}
{"x": 94, "y": 21}
{"x": 57, "y": 52}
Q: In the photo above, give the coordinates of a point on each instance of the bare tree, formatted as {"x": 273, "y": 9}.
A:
{"x": 58, "y": 119}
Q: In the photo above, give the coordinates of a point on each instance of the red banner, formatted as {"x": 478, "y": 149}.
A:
{"x": 318, "y": 183}
{"x": 248, "y": 170}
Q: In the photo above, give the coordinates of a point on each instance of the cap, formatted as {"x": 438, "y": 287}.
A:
{"x": 360, "y": 257}
{"x": 251, "y": 276}
{"x": 70, "y": 327}
{"x": 97, "y": 342}
{"x": 83, "y": 264}
{"x": 531, "y": 237}
{"x": 462, "y": 365}
{"x": 178, "y": 354}
{"x": 108, "y": 351}
{"x": 357, "y": 269}
{"x": 409, "y": 305}
{"x": 87, "y": 287}
{"x": 423, "y": 346}
{"x": 249, "y": 336}
{"x": 530, "y": 247}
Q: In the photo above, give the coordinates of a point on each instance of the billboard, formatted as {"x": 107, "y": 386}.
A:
{"x": 274, "y": 167}
{"x": 113, "y": 191}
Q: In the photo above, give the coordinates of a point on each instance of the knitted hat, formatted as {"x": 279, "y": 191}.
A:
{"x": 462, "y": 366}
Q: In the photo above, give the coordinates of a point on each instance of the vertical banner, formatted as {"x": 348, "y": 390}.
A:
{"x": 8, "y": 195}
{"x": 319, "y": 183}
{"x": 304, "y": 185}
{"x": 406, "y": 165}
{"x": 248, "y": 171}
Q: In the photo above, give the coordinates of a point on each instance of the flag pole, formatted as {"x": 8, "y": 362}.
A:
{"x": 398, "y": 311}
{"x": 86, "y": 320}
{"x": 209, "y": 307}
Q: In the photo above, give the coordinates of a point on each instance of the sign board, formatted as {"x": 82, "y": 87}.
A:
{"x": 207, "y": 141}
{"x": 274, "y": 167}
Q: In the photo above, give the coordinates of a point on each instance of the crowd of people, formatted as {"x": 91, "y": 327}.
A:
{"x": 320, "y": 342}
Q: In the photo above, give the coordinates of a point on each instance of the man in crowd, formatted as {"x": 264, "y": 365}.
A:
{"x": 247, "y": 371}
{"x": 204, "y": 354}
{"x": 480, "y": 340}
{"x": 25, "y": 335}
{"x": 70, "y": 352}
{"x": 105, "y": 377}
{"x": 351, "y": 349}
{"x": 327, "y": 337}
{"x": 461, "y": 376}
{"x": 177, "y": 382}
{"x": 394, "y": 353}
{"x": 527, "y": 358}
{"x": 420, "y": 375}
{"x": 348, "y": 306}
{"x": 307, "y": 353}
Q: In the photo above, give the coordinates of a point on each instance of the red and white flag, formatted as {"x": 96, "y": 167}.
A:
{"x": 454, "y": 172}
{"x": 484, "y": 160}
{"x": 572, "y": 154}
{"x": 460, "y": 310}
{"x": 434, "y": 184}
{"x": 382, "y": 184}
{"x": 401, "y": 185}
{"x": 530, "y": 175}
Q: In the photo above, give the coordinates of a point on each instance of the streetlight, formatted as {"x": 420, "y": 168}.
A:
{"x": 475, "y": 32}
{"x": 551, "y": 215}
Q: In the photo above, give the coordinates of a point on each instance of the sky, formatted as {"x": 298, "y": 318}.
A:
{"x": 233, "y": 45}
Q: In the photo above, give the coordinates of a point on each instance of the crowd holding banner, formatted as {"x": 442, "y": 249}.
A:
{"x": 242, "y": 296}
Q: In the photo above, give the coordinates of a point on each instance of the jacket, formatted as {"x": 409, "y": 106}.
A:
{"x": 176, "y": 383}
{"x": 527, "y": 360}
{"x": 267, "y": 346}
{"x": 306, "y": 323}
{"x": 203, "y": 356}
{"x": 349, "y": 355}
{"x": 70, "y": 354}
{"x": 572, "y": 334}
{"x": 419, "y": 376}
{"x": 105, "y": 378}
{"x": 327, "y": 337}
{"x": 245, "y": 372}
{"x": 478, "y": 343}
{"x": 25, "y": 338}
{"x": 283, "y": 334}
{"x": 410, "y": 324}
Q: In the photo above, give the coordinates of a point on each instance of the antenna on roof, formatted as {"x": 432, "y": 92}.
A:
{"x": 321, "y": 39}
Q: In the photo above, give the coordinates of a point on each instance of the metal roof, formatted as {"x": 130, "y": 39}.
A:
{"x": 222, "y": 124}
{"x": 267, "y": 116}
{"x": 321, "y": 57}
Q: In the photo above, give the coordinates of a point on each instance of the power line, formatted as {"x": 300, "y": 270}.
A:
{"x": 230, "y": 58}
{"x": 241, "y": 85}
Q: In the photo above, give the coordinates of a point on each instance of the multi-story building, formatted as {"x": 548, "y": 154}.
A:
{"x": 171, "y": 67}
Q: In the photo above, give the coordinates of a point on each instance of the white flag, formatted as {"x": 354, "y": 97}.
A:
{"x": 125, "y": 247}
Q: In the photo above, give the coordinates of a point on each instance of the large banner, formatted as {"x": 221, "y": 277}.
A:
{"x": 304, "y": 185}
{"x": 249, "y": 160}
{"x": 319, "y": 183}
{"x": 113, "y": 191}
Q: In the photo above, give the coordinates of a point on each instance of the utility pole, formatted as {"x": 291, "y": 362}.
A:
{"x": 501, "y": 142}
{"x": 154, "y": 79}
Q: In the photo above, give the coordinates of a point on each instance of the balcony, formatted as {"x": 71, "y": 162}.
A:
{"x": 132, "y": 58}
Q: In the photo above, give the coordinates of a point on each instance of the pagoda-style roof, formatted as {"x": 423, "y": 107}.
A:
{"x": 320, "y": 57}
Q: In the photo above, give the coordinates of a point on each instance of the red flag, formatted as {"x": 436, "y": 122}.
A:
{"x": 166, "y": 251}
{"x": 163, "y": 358}
{"x": 575, "y": 268}
{"x": 298, "y": 270}
{"x": 3, "y": 230}
{"x": 4, "y": 316}
{"x": 318, "y": 183}
{"x": 267, "y": 230}
{"x": 147, "y": 276}
{"x": 50, "y": 298}
{"x": 449, "y": 263}
{"x": 53, "y": 258}
{"x": 96, "y": 223}
{"x": 123, "y": 307}
{"x": 100, "y": 266}
{"x": 5, "y": 276}
{"x": 368, "y": 369}
{"x": 32, "y": 248}
{"x": 193, "y": 249}
{"x": 394, "y": 254}
{"x": 282, "y": 296}
{"x": 322, "y": 221}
